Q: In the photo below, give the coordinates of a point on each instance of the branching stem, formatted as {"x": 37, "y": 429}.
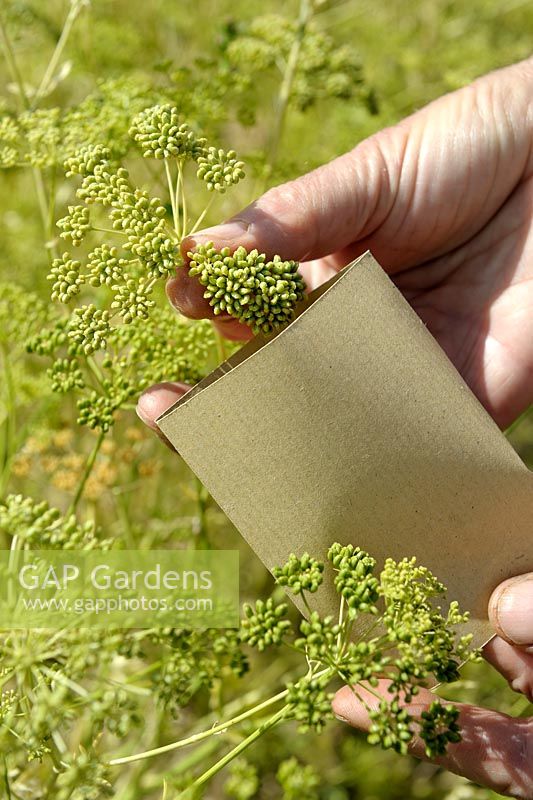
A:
{"x": 86, "y": 473}
{"x": 198, "y": 737}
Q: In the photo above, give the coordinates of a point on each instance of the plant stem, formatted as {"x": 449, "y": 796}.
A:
{"x": 45, "y": 207}
{"x": 108, "y": 230}
{"x": 181, "y": 183}
{"x": 198, "y": 737}
{"x": 221, "y": 346}
{"x": 202, "y": 215}
{"x": 10, "y": 423}
{"x": 13, "y": 66}
{"x": 262, "y": 729}
{"x": 173, "y": 199}
{"x": 75, "y": 9}
{"x": 284, "y": 95}
{"x": 86, "y": 472}
{"x": 514, "y": 425}
{"x": 6, "y": 779}
{"x": 93, "y": 366}
{"x": 202, "y": 537}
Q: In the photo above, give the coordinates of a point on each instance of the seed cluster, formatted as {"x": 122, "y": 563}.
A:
{"x": 416, "y": 640}
{"x": 43, "y": 526}
{"x": 299, "y": 575}
{"x": 132, "y": 211}
{"x": 264, "y": 624}
{"x": 262, "y": 294}
{"x": 75, "y": 225}
{"x": 325, "y": 69}
{"x": 66, "y": 277}
{"x": 161, "y": 133}
{"x": 220, "y": 169}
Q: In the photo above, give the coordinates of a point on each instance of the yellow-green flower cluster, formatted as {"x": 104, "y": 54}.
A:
{"x": 324, "y": 69}
{"x": 104, "y": 266}
{"x": 83, "y": 777}
{"x": 132, "y": 300}
{"x": 220, "y": 169}
{"x": 264, "y": 624}
{"x": 243, "y": 782}
{"x": 75, "y": 224}
{"x": 415, "y": 640}
{"x": 355, "y": 579}
{"x": 132, "y": 211}
{"x": 41, "y": 526}
{"x": 88, "y": 330}
{"x": 65, "y": 375}
{"x": 298, "y": 781}
{"x": 310, "y": 702}
{"x": 66, "y": 278}
{"x": 262, "y": 294}
{"x": 109, "y": 350}
{"x": 299, "y": 575}
{"x": 160, "y": 133}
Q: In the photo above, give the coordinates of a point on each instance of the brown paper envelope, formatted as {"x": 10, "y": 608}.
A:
{"x": 352, "y": 425}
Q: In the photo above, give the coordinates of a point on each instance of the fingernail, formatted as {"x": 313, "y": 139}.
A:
{"x": 221, "y": 234}
{"x": 341, "y": 718}
{"x": 514, "y": 610}
{"x": 141, "y": 414}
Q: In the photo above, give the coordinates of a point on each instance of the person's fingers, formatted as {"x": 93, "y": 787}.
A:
{"x": 186, "y": 295}
{"x": 511, "y": 652}
{"x": 514, "y": 663}
{"x": 409, "y": 192}
{"x": 511, "y": 610}
{"x": 405, "y": 192}
{"x": 156, "y": 400}
{"x": 320, "y": 212}
{"x": 496, "y": 751}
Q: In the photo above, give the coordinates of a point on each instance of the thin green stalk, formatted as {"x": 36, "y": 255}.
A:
{"x": 25, "y": 102}
{"x": 6, "y": 780}
{"x": 45, "y": 207}
{"x": 173, "y": 199}
{"x": 10, "y": 424}
{"x": 58, "y": 51}
{"x": 203, "y": 215}
{"x": 184, "y": 217}
{"x": 198, "y": 737}
{"x": 13, "y": 66}
{"x": 341, "y": 625}
{"x": 95, "y": 369}
{"x": 284, "y": 95}
{"x": 202, "y": 537}
{"x": 86, "y": 473}
{"x": 108, "y": 230}
{"x": 518, "y": 421}
{"x": 241, "y": 747}
{"x": 221, "y": 346}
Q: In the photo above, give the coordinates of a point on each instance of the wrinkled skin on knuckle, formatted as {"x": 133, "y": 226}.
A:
{"x": 290, "y": 207}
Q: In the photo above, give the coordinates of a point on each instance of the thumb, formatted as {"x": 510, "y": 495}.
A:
{"x": 511, "y": 610}
{"x": 308, "y": 218}
{"x": 319, "y": 213}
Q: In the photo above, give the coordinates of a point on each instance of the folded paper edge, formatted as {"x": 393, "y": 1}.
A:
{"x": 260, "y": 341}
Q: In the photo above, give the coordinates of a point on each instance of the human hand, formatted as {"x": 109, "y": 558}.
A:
{"x": 443, "y": 200}
{"x": 496, "y": 750}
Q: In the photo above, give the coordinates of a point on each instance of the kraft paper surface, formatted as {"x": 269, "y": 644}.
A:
{"x": 352, "y": 425}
